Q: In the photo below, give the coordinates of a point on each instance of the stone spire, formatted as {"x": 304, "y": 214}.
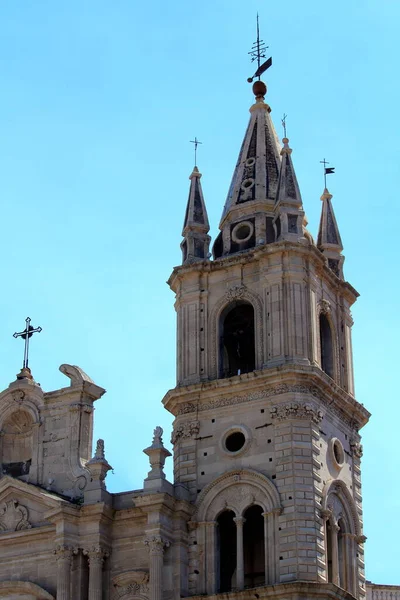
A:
{"x": 255, "y": 178}
{"x": 289, "y": 209}
{"x": 329, "y": 240}
{"x": 196, "y": 242}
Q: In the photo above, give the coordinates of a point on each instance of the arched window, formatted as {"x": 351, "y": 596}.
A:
{"x": 237, "y": 341}
{"x": 226, "y": 551}
{"x": 325, "y": 333}
{"x": 17, "y": 444}
{"x": 253, "y": 547}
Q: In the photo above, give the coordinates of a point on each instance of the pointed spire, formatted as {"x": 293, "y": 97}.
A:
{"x": 196, "y": 227}
{"x": 329, "y": 241}
{"x": 289, "y": 217}
{"x": 256, "y": 173}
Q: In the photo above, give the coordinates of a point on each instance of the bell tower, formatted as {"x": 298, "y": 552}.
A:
{"x": 266, "y": 431}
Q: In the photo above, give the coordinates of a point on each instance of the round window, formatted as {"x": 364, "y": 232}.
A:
{"x": 242, "y": 232}
{"x": 337, "y": 452}
{"x": 235, "y": 441}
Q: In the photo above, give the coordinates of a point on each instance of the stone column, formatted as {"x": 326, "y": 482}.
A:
{"x": 335, "y": 551}
{"x": 239, "y": 553}
{"x": 156, "y": 545}
{"x": 267, "y": 546}
{"x": 96, "y": 556}
{"x": 211, "y": 558}
{"x": 64, "y": 560}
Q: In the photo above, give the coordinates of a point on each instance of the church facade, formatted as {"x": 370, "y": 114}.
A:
{"x": 266, "y": 499}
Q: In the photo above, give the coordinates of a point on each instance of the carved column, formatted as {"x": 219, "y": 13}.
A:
{"x": 335, "y": 551}
{"x": 156, "y": 545}
{"x": 64, "y": 561}
{"x": 239, "y": 553}
{"x": 96, "y": 556}
{"x": 211, "y": 558}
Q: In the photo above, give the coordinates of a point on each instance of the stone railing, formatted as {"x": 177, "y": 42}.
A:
{"x": 383, "y": 592}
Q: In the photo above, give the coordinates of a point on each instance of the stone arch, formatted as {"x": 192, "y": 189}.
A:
{"x": 234, "y": 294}
{"x": 345, "y": 508}
{"x": 325, "y": 310}
{"x": 23, "y": 590}
{"x": 237, "y": 490}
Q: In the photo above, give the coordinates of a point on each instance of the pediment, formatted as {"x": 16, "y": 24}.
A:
{"x": 23, "y": 590}
{"x": 23, "y": 506}
{"x": 131, "y": 584}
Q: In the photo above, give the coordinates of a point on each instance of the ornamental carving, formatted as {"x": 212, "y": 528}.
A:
{"x": 131, "y": 583}
{"x": 96, "y": 555}
{"x": 185, "y": 430}
{"x": 236, "y": 292}
{"x": 356, "y": 448}
{"x": 324, "y": 306}
{"x": 132, "y": 589}
{"x": 14, "y": 516}
{"x": 296, "y": 410}
{"x": 156, "y": 544}
{"x": 64, "y": 552}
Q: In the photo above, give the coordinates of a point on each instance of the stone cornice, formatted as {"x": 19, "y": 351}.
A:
{"x": 297, "y": 590}
{"x": 268, "y": 383}
{"x": 260, "y": 252}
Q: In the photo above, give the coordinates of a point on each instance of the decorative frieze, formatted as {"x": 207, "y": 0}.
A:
{"x": 185, "y": 430}
{"x": 296, "y": 410}
{"x": 14, "y": 516}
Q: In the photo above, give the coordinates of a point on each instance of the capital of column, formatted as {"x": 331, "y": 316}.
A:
{"x": 326, "y": 514}
{"x": 240, "y": 521}
{"x": 156, "y": 544}
{"x": 96, "y": 555}
{"x": 64, "y": 552}
{"x": 275, "y": 511}
{"x": 360, "y": 539}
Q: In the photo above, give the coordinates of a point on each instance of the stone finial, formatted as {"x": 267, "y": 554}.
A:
{"x": 99, "y": 454}
{"x": 329, "y": 241}
{"x": 157, "y": 454}
{"x": 98, "y": 467}
{"x": 196, "y": 240}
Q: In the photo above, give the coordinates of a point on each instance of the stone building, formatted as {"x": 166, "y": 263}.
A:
{"x": 266, "y": 499}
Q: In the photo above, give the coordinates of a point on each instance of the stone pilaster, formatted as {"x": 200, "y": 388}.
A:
{"x": 239, "y": 553}
{"x": 96, "y": 556}
{"x": 64, "y": 561}
{"x": 156, "y": 545}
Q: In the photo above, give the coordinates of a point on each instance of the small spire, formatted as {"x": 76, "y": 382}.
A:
{"x": 196, "y": 226}
{"x": 329, "y": 241}
{"x": 289, "y": 207}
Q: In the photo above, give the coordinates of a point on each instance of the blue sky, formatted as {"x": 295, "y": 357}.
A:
{"x": 98, "y": 103}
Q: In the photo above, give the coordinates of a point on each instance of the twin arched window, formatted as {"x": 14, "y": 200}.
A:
{"x": 240, "y": 550}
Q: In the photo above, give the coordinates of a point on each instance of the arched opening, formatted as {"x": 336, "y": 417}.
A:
{"x": 325, "y": 333}
{"x": 329, "y": 550}
{"x": 253, "y": 547}
{"x": 237, "y": 341}
{"x": 17, "y": 444}
{"x": 226, "y": 548}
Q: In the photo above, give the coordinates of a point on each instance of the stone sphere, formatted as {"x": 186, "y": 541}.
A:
{"x": 259, "y": 88}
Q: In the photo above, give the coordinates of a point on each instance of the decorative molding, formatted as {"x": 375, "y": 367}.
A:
{"x": 131, "y": 583}
{"x": 296, "y": 410}
{"x": 337, "y": 499}
{"x": 235, "y": 292}
{"x": 14, "y": 516}
{"x": 185, "y": 430}
{"x": 324, "y": 306}
{"x": 156, "y": 544}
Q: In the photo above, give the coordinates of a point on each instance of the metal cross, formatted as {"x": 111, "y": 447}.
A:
{"x": 284, "y": 123}
{"x": 196, "y": 143}
{"x": 26, "y": 334}
{"x": 257, "y": 52}
{"x": 327, "y": 170}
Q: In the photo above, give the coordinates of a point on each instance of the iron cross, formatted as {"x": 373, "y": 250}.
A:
{"x": 26, "y": 334}
{"x": 196, "y": 143}
{"x": 284, "y": 123}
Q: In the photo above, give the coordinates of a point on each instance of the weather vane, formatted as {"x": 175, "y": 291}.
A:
{"x": 26, "y": 334}
{"x": 327, "y": 170}
{"x": 196, "y": 143}
{"x": 284, "y": 123}
{"x": 257, "y": 52}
